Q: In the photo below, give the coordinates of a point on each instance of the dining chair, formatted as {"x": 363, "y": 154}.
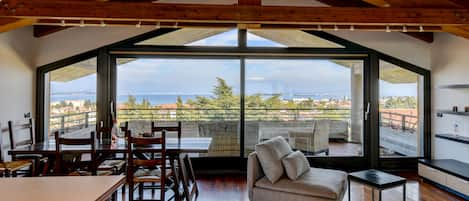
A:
{"x": 70, "y": 162}
{"x": 178, "y": 128}
{"x": 187, "y": 178}
{"x": 147, "y": 170}
{"x": 112, "y": 163}
{"x": 11, "y": 168}
{"x": 22, "y": 134}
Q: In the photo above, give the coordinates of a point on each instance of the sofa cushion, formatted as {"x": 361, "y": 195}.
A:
{"x": 270, "y": 154}
{"x": 295, "y": 164}
{"x": 316, "y": 182}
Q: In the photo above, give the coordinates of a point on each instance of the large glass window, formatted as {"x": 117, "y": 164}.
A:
{"x": 203, "y": 94}
{"x": 401, "y": 111}
{"x": 317, "y": 105}
{"x": 71, "y": 97}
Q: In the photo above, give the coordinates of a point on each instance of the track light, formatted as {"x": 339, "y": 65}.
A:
{"x": 62, "y": 23}
{"x": 158, "y": 25}
{"x": 404, "y": 29}
{"x": 175, "y": 25}
{"x": 82, "y": 23}
{"x": 388, "y": 29}
{"x": 336, "y": 28}
{"x": 139, "y": 24}
{"x": 352, "y": 28}
{"x": 421, "y": 28}
{"x": 319, "y": 27}
{"x": 103, "y": 24}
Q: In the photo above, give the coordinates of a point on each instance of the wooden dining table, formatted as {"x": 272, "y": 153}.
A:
{"x": 174, "y": 147}
{"x": 84, "y": 188}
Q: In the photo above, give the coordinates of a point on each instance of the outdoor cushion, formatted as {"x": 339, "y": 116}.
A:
{"x": 270, "y": 154}
{"x": 322, "y": 183}
{"x": 295, "y": 164}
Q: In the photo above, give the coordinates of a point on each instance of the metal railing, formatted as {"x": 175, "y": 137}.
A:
{"x": 403, "y": 122}
{"x": 68, "y": 122}
{"x": 397, "y": 121}
{"x": 231, "y": 114}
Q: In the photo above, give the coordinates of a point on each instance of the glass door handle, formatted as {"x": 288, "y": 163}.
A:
{"x": 367, "y": 112}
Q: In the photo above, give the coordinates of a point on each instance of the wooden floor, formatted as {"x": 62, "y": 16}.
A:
{"x": 233, "y": 188}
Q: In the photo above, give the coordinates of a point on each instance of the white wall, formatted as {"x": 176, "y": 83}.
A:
{"x": 398, "y": 45}
{"x": 450, "y": 65}
{"x": 17, "y": 75}
{"x": 77, "y": 40}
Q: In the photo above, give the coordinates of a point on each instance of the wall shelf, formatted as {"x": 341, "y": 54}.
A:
{"x": 455, "y": 86}
{"x": 455, "y": 138}
{"x": 441, "y": 112}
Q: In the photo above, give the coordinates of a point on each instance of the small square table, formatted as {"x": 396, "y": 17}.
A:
{"x": 377, "y": 180}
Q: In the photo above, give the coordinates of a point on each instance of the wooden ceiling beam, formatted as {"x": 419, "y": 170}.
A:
{"x": 458, "y": 31}
{"x": 378, "y": 3}
{"x": 250, "y": 2}
{"x": 14, "y": 24}
{"x": 463, "y": 3}
{"x": 233, "y": 13}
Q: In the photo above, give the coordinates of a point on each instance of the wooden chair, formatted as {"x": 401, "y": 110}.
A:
{"x": 10, "y": 168}
{"x": 70, "y": 163}
{"x": 21, "y": 127}
{"x": 148, "y": 170}
{"x": 187, "y": 177}
{"x": 177, "y": 128}
{"x": 116, "y": 165}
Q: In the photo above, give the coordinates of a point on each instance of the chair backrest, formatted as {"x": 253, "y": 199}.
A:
{"x": 139, "y": 145}
{"x": 102, "y": 130}
{"x": 177, "y": 128}
{"x": 17, "y": 128}
{"x": 59, "y": 141}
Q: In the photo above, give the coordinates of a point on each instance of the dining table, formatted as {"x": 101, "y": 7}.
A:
{"x": 105, "y": 149}
{"x": 84, "y": 188}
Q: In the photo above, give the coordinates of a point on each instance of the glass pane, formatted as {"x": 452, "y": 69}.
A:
{"x": 317, "y": 105}
{"x": 286, "y": 38}
{"x": 71, "y": 97}
{"x": 203, "y": 94}
{"x": 401, "y": 111}
{"x": 196, "y": 37}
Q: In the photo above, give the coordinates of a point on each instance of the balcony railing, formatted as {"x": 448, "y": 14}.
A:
{"x": 251, "y": 114}
{"x": 68, "y": 122}
{"x": 397, "y": 121}
{"x": 403, "y": 122}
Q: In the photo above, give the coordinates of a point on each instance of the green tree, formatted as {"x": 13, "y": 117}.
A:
{"x": 131, "y": 101}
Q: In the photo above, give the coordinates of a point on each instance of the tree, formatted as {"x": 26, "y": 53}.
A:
{"x": 131, "y": 101}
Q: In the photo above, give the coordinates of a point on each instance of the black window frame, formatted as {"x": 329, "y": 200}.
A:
{"x": 106, "y": 81}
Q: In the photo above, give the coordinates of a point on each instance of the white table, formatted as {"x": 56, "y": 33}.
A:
{"x": 71, "y": 188}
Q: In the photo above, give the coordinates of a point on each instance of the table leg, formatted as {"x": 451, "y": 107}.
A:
{"x": 349, "y": 189}
{"x": 380, "y": 194}
{"x": 172, "y": 159}
{"x": 404, "y": 192}
{"x": 372, "y": 194}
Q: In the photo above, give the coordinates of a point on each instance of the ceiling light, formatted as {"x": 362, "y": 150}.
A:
{"x": 82, "y": 23}
{"x": 62, "y": 23}
{"x": 336, "y": 28}
{"x": 388, "y": 29}
{"x": 319, "y": 27}
{"x": 421, "y": 28}
{"x": 103, "y": 24}
{"x": 139, "y": 24}
{"x": 352, "y": 28}
{"x": 404, "y": 29}
{"x": 175, "y": 25}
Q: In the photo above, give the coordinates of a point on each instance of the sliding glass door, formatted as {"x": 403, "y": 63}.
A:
{"x": 316, "y": 104}
{"x": 204, "y": 94}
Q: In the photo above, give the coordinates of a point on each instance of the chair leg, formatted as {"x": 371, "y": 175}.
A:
{"x": 45, "y": 169}
{"x": 123, "y": 192}
{"x": 162, "y": 193}
{"x": 131, "y": 191}
{"x": 140, "y": 191}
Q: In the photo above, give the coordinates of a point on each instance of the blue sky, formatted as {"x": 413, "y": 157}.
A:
{"x": 198, "y": 76}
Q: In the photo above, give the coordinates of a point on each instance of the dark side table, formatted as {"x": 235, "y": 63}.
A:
{"x": 376, "y": 180}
